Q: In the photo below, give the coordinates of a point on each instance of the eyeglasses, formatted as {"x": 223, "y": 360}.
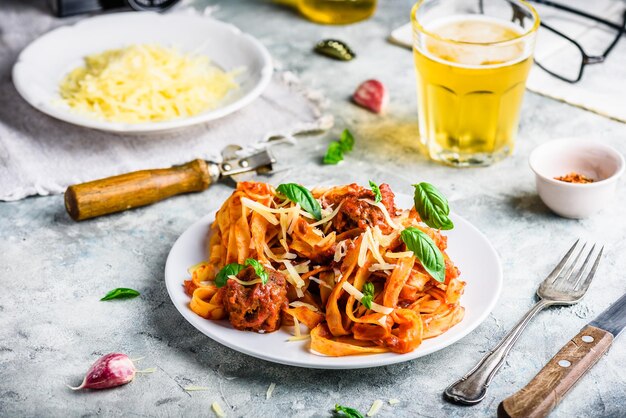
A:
{"x": 572, "y": 60}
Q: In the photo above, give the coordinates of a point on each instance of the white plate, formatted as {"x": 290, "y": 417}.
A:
{"x": 468, "y": 248}
{"x": 42, "y": 65}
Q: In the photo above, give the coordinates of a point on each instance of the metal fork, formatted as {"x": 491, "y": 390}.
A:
{"x": 566, "y": 285}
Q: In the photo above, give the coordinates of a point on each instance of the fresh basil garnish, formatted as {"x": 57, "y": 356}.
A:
{"x": 231, "y": 269}
{"x": 121, "y": 293}
{"x": 426, "y": 251}
{"x": 258, "y": 269}
{"x": 336, "y": 149}
{"x": 303, "y": 196}
{"x": 348, "y": 412}
{"x": 432, "y": 206}
{"x": 346, "y": 140}
{"x": 377, "y": 195}
{"x": 368, "y": 295}
{"x": 334, "y": 154}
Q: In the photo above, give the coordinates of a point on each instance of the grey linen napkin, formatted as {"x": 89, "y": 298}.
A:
{"x": 40, "y": 155}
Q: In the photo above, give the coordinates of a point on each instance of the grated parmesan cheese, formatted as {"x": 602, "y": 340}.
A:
{"x": 270, "y": 390}
{"x": 241, "y": 282}
{"x": 192, "y": 388}
{"x": 383, "y": 209}
{"x": 218, "y": 409}
{"x": 294, "y": 278}
{"x": 329, "y": 217}
{"x": 321, "y": 283}
{"x": 375, "y": 408}
{"x": 385, "y": 266}
{"x": 399, "y": 255}
{"x": 353, "y": 291}
{"x": 264, "y": 211}
{"x": 297, "y": 304}
{"x": 145, "y": 83}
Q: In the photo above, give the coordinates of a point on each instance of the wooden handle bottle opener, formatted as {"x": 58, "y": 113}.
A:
{"x": 141, "y": 188}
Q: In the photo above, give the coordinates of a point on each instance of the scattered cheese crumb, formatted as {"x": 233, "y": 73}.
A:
{"x": 394, "y": 401}
{"x": 270, "y": 390}
{"x": 375, "y": 408}
{"x": 193, "y": 388}
{"x": 218, "y": 409}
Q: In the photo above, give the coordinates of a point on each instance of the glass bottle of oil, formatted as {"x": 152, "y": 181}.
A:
{"x": 334, "y": 12}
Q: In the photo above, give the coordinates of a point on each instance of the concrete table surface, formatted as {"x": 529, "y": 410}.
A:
{"x": 53, "y": 271}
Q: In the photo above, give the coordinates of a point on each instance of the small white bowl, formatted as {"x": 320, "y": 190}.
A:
{"x": 598, "y": 161}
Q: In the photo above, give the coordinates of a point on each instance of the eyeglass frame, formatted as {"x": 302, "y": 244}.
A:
{"x": 587, "y": 59}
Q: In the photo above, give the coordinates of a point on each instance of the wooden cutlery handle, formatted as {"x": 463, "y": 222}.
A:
{"x": 550, "y": 385}
{"x": 126, "y": 191}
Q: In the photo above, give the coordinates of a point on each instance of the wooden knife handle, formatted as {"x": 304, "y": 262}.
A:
{"x": 546, "y": 390}
{"x": 140, "y": 188}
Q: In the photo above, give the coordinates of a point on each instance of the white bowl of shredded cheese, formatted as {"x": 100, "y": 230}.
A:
{"x": 142, "y": 72}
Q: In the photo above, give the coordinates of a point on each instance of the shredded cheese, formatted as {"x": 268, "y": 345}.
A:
{"x": 294, "y": 278}
{"x": 329, "y": 217}
{"x": 383, "y": 320}
{"x": 297, "y": 304}
{"x": 296, "y": 327}
{"x": 192, "y": 388}
{"x": 270, "y": 390}
{"x": 241, "y": 282}
{"x": 374, "y": 246}
{"x": 383, "y": 209}
{"x": 300, "y": 338}
{"x": 145, "y": 83}
{"x": 394, "y": 401}
{"x": 353, "y": 291}
{"x": 270, "y": 254}
{"x": 218, "y": 409}
{"x": 340, "y": 251}
{"x": 293, "y": 217}
{"x": 399, "y": 255}
{"x": 264, "y": 211}
{"x": 375, "y": 408}
{"x": 384, "y": 266}
{"x": 302, "y": 267}
{"x": 365, "y": 243}
{"x": 321, "y": 283}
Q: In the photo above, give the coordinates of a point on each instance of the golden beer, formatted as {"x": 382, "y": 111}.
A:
{"x": 471, "y": 74}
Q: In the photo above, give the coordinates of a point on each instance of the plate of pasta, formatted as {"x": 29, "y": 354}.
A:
{"x": 338, "y": 277}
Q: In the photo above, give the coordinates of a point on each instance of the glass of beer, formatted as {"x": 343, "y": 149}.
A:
{"x": 472, "y": 58}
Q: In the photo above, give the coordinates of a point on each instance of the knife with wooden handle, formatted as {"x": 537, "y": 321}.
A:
{"x": 141, "y": 188}
{"x": 544, "y": 392}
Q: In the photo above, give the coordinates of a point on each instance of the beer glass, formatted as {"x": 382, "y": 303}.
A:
{"x": 472, "y": 58}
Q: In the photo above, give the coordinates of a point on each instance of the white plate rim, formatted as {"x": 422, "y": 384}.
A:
{"x": 20, "y": 81}
{"x": 173, "y": 283}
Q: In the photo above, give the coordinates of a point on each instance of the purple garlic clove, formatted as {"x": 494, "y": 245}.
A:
{"x": 114, "y": 369}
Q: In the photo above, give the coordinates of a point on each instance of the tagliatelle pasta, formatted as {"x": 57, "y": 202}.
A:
{"x": 348, "y": 276}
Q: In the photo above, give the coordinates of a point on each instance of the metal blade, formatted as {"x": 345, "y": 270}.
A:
{"x": 613, "y": 319}
{"x": 260, "y": 162}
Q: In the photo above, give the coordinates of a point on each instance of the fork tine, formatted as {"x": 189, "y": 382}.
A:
{"x": 589, "y": 277}
{"x": 575, "y": 279}
{"x": 555, "y": 273}
{"x": 565, "y": 277}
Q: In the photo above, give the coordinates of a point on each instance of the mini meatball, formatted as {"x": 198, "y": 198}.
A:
{"x": 256, "y": 307}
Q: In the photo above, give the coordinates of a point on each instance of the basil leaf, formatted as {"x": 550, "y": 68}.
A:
{"x": 121, "y": 293}
{"x": 334, "y": 153}
{"x": 426, "y": 251}
{"x": 258, "y": 269}
{"x": 336, "y": 149}
{"x": 368, "y": 295}
{"x": 346, "y": 141}
{"x": 231, "y": 269}
{"x": 348, "y": 412}
{"x": 377, "y": 195}
{"x": 303, "y": 196}
{"x": 432, "y": 206}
